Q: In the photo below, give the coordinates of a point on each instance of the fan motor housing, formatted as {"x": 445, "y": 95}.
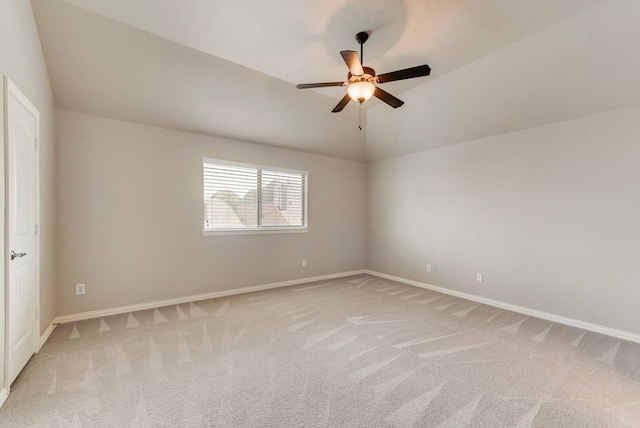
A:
{"x": 368, "y": 76}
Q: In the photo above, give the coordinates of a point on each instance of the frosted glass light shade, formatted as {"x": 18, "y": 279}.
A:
{"x": 361, "y": 91}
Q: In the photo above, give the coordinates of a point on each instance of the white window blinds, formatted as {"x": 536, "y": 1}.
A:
{"x": 251, "y": 197}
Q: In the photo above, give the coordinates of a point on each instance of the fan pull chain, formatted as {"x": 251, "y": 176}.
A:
{"x": 360, "y": 117}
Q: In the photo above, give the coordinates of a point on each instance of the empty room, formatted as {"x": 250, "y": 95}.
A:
{"x": 371, "y": 213}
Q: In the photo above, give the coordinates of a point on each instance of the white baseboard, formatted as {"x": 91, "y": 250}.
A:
{"x": 45, "y": 336}
{"x": 4, "y": 394}
{"x": 216, "y": 294}
{"x": 620, "y": 334}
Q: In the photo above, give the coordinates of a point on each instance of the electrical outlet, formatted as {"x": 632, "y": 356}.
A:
{"x": 428, "y": 268}
{"x": 80, "y": 289}
{"x": 479, "y": 277}
{"x": 304, "y": 262}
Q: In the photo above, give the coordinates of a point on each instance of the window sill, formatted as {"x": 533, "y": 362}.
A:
{"x": 254, "y": 231}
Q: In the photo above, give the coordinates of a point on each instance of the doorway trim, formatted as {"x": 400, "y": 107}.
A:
{"x": 10, "y": 89}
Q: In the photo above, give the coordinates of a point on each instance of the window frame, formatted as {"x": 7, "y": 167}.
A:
{"x": 259, "y": 230}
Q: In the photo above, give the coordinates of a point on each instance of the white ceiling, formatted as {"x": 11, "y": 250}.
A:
{"x": 586, "y": 65}
{"x": 300, "y": 40}
{"x": 228, "y": 67}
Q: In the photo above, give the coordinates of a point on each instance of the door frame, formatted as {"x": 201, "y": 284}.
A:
{"x": 10, "y": 89}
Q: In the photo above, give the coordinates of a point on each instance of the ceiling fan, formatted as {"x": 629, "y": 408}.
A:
{"x": 361, "y": 79}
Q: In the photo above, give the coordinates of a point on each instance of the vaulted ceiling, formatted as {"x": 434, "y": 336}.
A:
{"x": 229, "y": 68}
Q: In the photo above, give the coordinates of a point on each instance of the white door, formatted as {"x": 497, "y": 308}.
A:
{"x": 21, "y": 231}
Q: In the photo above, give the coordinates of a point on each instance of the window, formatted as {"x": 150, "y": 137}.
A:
{"x": 244, "y": 197}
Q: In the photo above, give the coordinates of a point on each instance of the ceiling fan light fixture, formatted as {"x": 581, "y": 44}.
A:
{"x": 361, "y": 91}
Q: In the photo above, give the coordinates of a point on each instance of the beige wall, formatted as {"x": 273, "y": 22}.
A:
{"x": 22, "y": 61}
{"x": 549, "y": 215}
{"x": 130, "y": 213}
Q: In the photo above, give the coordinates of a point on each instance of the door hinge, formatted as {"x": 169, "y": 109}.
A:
{"x": 35, "y": 143}
{"x": 37, "y": 315}
{"x": 35, "y": 228}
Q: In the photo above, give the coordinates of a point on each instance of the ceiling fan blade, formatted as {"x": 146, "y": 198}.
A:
{"x": 319, "y": 85}
{"x": 343, "y": 102}
{"x": 387, "y": 98}
{"x": 407, "y": 73}
{"x": 353, "y": 62}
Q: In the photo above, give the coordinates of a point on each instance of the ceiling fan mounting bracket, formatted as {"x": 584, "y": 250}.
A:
{"x": 362, "y": 37}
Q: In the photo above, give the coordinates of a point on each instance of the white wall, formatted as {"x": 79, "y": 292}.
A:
{"x": 130, "y": 215}
{"x": 549, "y": 215}
{"x": 22, "y": 61}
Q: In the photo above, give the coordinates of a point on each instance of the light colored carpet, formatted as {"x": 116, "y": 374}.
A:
{"x": 355, "y": 352}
